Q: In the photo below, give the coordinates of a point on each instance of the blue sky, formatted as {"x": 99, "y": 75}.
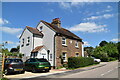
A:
{"x": 93, "y": 22}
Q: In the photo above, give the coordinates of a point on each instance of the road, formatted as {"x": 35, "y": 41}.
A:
{"x": 110, "y": 70}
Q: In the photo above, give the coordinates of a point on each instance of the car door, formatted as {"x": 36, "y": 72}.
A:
{"x": 33, "y": 63}
{"x": 27, "y": 64}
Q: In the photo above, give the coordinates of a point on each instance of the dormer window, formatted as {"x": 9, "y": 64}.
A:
{"x": 76, "y": 44}
{"x": 41, "y": 27}
{"x": 64, "y": 41}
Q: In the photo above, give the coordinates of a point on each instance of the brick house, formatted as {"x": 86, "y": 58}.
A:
{"x": 50, "y": 41}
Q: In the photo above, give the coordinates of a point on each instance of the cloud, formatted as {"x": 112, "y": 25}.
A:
{"x": 105, "y": 16}
{"x": 8, "y": 42}
{"x": 10, "y": 30}
{"x": 18, "y": 36}
{"x": 89, "y": 27}
{"x": 69, "y": 5}
{"x": 115, "y": 40}
{"x": 108, "y": 9}
{"x": 3, "y": 21}
{"x": 109, "y": 6}
{"x": 86, "y": 43}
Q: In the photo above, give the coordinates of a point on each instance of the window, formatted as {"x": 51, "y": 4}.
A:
{"x": 76, "y": 44}
{"x": 28, "y": 41}
{"x": 77, "y": 54}
{"x": 41, "y": 27}
{"x": 64, "y": 56}
{"x": 22, "y": 42}
{"x": 63, "y": 41}
{"x": 50, "y": 56}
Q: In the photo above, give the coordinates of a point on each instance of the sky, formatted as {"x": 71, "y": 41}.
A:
{"x": 91, "y": 21}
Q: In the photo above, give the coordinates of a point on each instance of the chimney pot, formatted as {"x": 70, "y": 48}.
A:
{"x": 56, "y": 22}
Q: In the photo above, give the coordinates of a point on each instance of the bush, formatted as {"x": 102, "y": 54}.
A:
{"x": 105, "y": 59}
{"x": 76, "y": 62}
{"x": 112, "y": 59}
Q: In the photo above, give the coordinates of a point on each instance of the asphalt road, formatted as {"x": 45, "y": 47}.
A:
{"x": 107, "y": 72}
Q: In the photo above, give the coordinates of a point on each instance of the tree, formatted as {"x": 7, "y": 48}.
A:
{"x": 103, "y": 43}
{"x": 89, "y": 50}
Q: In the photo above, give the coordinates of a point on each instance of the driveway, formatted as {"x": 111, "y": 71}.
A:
{"x": 53, "y": 72}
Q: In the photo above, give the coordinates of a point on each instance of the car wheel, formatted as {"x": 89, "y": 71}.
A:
{"x": 34, "y": 70}
{"x": 22, "y": 72}
{"x": 47, "y": 70}
{"x": 6, "y": 72}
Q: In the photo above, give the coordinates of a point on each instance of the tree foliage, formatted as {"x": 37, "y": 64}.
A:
{"x": 106, "y": 51}
{"x": 89, "y": 50}
{"x": 103, "y": 43}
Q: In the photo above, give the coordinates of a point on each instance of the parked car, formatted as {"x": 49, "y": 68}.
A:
{"x": 37, "y": 64}
{"x": 13, "y": 65}
{"x": 96, "y": 60}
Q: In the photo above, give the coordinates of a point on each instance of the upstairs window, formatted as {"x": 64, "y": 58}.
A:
{"x": 22, "y": 42}
{"x": 76, "y": 44}
{"x": 28, "y": 41}
{"x": 63, "y": 41}
{"x": 41, "y": 27}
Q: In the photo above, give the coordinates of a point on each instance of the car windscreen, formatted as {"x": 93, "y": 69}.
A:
{"x": 42, "y": 60}
{"x": 18, "y": 60}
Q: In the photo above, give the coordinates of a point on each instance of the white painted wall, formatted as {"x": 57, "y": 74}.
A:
{"x": 38, "y": 41}
{"x": 48, "y": 39}
{"x": 82, "y": 50}
{"x": 41, "y": 53}
{"x": 26, "y": 50}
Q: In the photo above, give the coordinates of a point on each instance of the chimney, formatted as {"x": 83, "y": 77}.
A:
{"x": 56, "y": 22}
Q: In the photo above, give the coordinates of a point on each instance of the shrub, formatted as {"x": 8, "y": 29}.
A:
{"x": 76, "y": 62}
{"x": 105, "y": 59}
{"x": 111, "y": 59}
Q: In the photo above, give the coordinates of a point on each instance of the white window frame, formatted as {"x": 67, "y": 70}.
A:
{"x": 41, "y": 27}
{"x": 23, "y": 41}
{"x": 64, "y": 56}
{"x": 77, "y": 55}
{"x": 28, "y": 40}
{"x": 64, "y": 40}
{"x": 76, "y": 44}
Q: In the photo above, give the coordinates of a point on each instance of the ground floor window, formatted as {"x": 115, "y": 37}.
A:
{"x": 64, "y": 56}
{"x": 34, "y": 55}
{"x": 50, "y": 56}
{"x": 77, "y": 54}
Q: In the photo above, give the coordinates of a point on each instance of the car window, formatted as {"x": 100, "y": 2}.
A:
{"x": 18, "y": 60}
{"x": 28, "y": 60}
{"x": 8, "y": 60}
{"x": 42, "y": 60}
{"x": 32, "y": 60}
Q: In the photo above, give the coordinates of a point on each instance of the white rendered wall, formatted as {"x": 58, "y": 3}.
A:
{"x": 26, "y": 50}
{"x": 42, "y": 53}
{"x": 82, "y": 50}
{"x": 38, "y": 41}
{"x": 48, "y": 39}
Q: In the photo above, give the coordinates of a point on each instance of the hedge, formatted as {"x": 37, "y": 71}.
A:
{"x": 107, "y": 59}
{"x": 76, "y": 62}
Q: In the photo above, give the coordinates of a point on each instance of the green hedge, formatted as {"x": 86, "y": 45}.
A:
{"x": 107, "y": 59}
{"x": 76, "y": 62}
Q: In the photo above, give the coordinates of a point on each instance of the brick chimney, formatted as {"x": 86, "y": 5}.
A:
{"x": 56, "y": 22}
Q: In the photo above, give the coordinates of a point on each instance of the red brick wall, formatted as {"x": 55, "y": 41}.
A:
{"x": 70, "y": 49}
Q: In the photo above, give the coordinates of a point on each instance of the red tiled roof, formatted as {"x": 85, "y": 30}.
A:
{"x": 62, "y": 31}
{"x": 34, "y": 31}
{"x": 37, "y": 49}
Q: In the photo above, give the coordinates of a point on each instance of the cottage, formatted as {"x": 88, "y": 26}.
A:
{"x": 50, "y": 41}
